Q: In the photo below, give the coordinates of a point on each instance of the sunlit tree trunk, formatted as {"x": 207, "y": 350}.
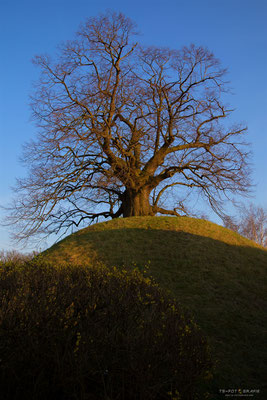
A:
{"x": 136, "y": 203}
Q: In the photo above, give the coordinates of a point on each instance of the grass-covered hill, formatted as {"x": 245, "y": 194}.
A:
{"x": 217, "y": 274}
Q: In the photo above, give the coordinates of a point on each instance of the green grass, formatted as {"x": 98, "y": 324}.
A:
{"x": 217, "y": 274}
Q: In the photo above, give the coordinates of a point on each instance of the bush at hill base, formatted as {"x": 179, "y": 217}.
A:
{"x": 83, "y": 332}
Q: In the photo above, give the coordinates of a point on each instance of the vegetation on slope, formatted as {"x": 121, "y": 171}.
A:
{"x": 95, "y": 333}
{"x": 216, "y": 273}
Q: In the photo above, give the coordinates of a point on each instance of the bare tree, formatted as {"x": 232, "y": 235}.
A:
{"x": 251, "y": 223}
{"x": 121, "y": 126}
{"x": 15, "y": 257}
{"x": 231, "y": 223}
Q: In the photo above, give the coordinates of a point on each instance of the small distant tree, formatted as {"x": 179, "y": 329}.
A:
{"x": 122, "y": 127}
{"x": 15, "y": 257}
{"x": 251, "y": 223}
{"x": 230, "y": 222}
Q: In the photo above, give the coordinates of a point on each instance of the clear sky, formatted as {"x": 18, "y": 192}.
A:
{"x": 235, "y": 30}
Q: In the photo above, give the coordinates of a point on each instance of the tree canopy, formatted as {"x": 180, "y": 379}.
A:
{"x": 251, "y": 223}
{"x": 121, "y": 127}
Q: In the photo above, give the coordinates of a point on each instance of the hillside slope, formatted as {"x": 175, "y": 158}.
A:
{"x": 217, "y": 274}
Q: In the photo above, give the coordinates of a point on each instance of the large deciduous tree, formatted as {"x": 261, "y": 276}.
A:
{"x": 121, "y": 126}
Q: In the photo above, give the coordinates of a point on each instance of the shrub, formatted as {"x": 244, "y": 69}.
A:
{"x": 95, "y": 333}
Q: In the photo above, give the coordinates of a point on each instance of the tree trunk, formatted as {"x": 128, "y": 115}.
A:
{"x": 136, "y": 203}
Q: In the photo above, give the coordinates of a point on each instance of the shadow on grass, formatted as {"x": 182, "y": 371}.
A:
{"x": 223, "y": 285}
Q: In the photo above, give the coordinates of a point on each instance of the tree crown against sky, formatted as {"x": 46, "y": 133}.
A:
{"x": 122, "y": 128}
{"x": 250, "y": 222}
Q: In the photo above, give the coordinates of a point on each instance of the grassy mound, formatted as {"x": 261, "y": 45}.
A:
{"x": 217, "y": 274}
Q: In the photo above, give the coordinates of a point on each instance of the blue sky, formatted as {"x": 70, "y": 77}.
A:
{"x": 235, "y": 30}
